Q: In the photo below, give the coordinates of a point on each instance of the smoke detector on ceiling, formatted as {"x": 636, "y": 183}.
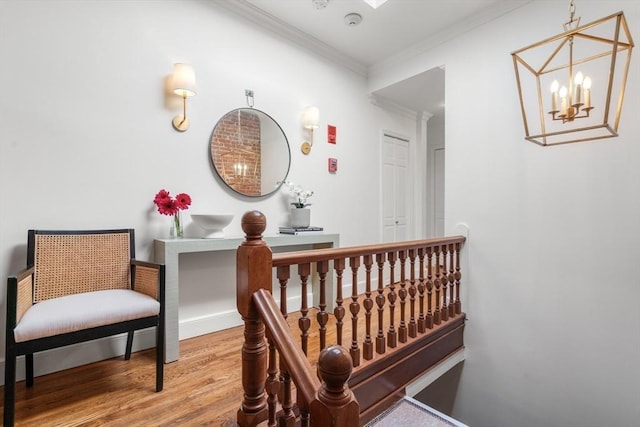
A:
{"x": 352, "y": 19}
{"x": 320, "y": 4}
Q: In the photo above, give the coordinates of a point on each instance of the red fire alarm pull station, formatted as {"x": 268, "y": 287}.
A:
{"x": 331, "y": 134}
{"x": 333, "y": 165}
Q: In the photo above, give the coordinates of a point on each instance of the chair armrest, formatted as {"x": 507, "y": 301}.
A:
{"x": 148, "y": 278}
{"x": 19, "y": 296}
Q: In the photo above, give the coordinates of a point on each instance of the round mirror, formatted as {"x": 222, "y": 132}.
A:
{"x": 250, "y": 152}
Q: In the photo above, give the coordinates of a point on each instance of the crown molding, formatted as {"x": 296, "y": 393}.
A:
{"x": 484, "y": 16}
{"x": 289, "y": 33}
{"x": 389, "y": 105}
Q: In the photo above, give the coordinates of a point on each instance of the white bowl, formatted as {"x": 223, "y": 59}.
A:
{"x": 213, "y": 224}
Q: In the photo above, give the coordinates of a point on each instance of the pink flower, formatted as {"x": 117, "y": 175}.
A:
{"x": 167, "y": 205}
{"x": 183, "y": 200}
{"x": 162, "y": 195}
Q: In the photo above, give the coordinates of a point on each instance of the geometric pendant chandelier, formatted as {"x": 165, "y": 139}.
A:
{"x": 571, "y": 86}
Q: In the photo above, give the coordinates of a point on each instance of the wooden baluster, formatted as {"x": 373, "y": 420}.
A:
{"x": 452, "y": 309}
{"x": 272, "y": 385}
{"x": 380, "y": 300}
{"x": 304, "y": 323}
{"x": 283, "y": 274}
{"x": 422, "y": 321}
{"x": 354, "y": 308}
{"x": 437, "y": 282}
{"x": 336, "y": 405}
{"x": 402, "y": 293}
{"x": 457, "y": 278}
{"x": 367, "y": 345}
{"x": 288, "y": 417}
{"x": 429, "y": 288}
{"x": 392, "y": 337}
{"x": 254, "y": 272}
{"x": 338, "y": 311}
{"x": 444, "y": 310}
{"x": 413, "y": 330}
{"x": 304, "y": 415}
{"x": 323, "y": 317}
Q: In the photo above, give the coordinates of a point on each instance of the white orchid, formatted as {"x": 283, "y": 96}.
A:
{"x": 299, "y": 193}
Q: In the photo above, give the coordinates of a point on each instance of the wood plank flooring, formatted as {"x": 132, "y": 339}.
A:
{"x": 203, "y": 388}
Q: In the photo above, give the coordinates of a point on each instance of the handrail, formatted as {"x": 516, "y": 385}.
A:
{"x": 395, "y": 310}
{"x": 278, "y": 330}
{"x": 328, "y": 254}
{"x": 330, "y": 402}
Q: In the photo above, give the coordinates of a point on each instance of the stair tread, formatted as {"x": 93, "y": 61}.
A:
{"x": 409, "y": 411}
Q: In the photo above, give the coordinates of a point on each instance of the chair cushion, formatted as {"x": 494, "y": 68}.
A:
{"x": 83, "y": 311}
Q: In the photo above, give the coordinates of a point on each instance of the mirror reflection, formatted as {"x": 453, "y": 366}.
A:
{"x": 250, "y": 152}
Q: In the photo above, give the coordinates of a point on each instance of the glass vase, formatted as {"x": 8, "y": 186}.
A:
{"x": 177, "y": 230}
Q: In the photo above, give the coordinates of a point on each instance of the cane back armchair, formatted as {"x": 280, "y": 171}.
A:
{"x": 79, "y": 286}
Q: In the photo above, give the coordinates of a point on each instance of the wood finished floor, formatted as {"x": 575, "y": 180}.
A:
{"x": 203, "y": 388}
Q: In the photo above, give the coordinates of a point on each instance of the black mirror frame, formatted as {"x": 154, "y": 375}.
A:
{"x": 262, "y": 114}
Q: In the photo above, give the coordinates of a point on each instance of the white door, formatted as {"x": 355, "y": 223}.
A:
{"x": 395, "y": 179}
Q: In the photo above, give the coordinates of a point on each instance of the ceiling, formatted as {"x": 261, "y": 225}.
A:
{"x": 394, "y": 29}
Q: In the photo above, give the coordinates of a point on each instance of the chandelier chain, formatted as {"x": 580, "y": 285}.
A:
{"x": 573, "y": 22}
{"x": 572, "y": 10}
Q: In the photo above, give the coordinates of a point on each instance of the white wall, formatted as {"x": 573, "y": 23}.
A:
{"x": 87, "y": 138}
{"x": 553, "y": 284}
{"x": 553, "y": 337}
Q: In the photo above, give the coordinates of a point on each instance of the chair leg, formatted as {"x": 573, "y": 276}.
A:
{"x": 28, "y": 363}
{"x": 9, "y": 387}
{"x": 127, "y": 353}
{"x": 160, "y": 355}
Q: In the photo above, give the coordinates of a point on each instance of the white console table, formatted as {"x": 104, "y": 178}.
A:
{"x": 167, "y": 251}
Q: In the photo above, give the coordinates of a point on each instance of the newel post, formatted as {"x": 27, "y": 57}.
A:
{"x": 335, "y": 404}
{"x": 253, "y": 272}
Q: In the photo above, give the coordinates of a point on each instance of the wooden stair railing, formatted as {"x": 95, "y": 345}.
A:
{"x": 329, "y": 403}
{"x": 393, "y": 327}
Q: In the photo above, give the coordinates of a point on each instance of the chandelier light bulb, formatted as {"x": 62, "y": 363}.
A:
{"x": 554, "y": 96}
{"x": 563, "y": 92}
{"x": 587, "y": 93}
{"x": 579, "y": 78}
{"x": 578, "y": 95}
{"x": 563, "y": 101}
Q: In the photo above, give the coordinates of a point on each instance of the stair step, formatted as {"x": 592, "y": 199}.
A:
{"x": 410, "y": 412}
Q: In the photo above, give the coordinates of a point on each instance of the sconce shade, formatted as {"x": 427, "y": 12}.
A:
{"x": 571, "y": 86}
{"x": 311, "y": 117}
{"x": 184, "y": 80}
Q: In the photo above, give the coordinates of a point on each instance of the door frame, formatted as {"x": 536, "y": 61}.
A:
{"x": 432, "y": 216}
{"x": 417, "y": 179}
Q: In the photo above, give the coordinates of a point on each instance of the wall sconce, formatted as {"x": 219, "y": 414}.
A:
{"x": 184, "y": 84}
{"x": 310, "y": 119}
{"x": 585, "y": 68}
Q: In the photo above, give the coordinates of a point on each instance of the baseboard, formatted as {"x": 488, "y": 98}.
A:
{"x": 209, "y": 323}
{"x": 202, "y": 325}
